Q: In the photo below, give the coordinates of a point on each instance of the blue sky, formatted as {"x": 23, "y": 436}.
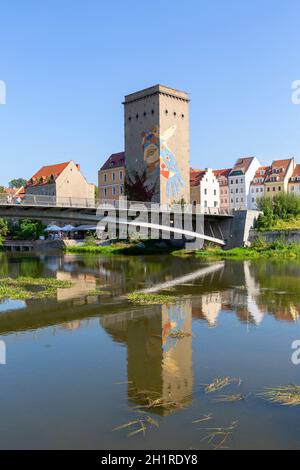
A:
{"x": 68, "y": 63}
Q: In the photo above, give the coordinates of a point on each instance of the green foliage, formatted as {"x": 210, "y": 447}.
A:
{"x": 28, "y": 230}
{"x": 3, "y": 230}
{"x": 151, "y": 299}
{"x": 283, "y": 207}
{"x": 17, "y": 183}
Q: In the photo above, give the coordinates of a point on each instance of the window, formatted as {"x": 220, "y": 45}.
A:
{"x": 215, "y": 203}
{"x": 113, "y": 191}
{"x": 237, "y": 199}
{"x": 205, "y": 191}
{"x": 274, "y": 189}
{"x": 113, "y": 176}
{"x": 152, "y": 111}
{"x": 242, "y": 199}
{"x": 121, "y": 189}
{"x": 175, "y": 113}
{"x": 236, "y": 181}
{"x": 194, "y": 203}
{"x": 268, "y": 189}
{"x": 104, "y": 191}
{"x": 236, "y": 190}
{"x": 279, "y": 188}
{"x": 121, "y": 175}
{"x": 104, "y": 177}
{"x": 292, "y": 188}
{"x": 215, "y": 192}
{"x": 182, "y": 116}
{"x": 137, "y": 116}
{"x": 253, "y": 199}
{"x": 205, "y": 203}
{"x": 166, "y": 112}
{"x": 144, "y": 113}
{"x": 129, "y": 119}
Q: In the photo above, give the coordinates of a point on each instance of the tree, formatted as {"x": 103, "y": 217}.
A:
{"x": 17, "y": 183}
{"x": 3, "y": 230}
{"x": 29, "y": 230}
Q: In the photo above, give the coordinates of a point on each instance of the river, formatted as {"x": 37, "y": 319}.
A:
{"x": 81, "y": 367}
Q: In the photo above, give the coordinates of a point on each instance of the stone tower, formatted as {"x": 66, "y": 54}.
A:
{"x": 157, "y": 145}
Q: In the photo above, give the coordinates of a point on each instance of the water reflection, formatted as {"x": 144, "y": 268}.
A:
{"x": 159, "y": 363}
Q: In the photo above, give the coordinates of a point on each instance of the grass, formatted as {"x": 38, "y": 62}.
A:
{"x": 230, "y": 398}
{"x": 23, "y": 288}
{"x": 280, "y": 224}
{"x": 218, "y": 437}
{"x": 139, "y": 425}
{"x": 151, "y": 299}
{"x": 261, "y": 249}
{"x": 288, "y": 395}
{"x": 140, "y": 247}
{"x": 219, "y": 383}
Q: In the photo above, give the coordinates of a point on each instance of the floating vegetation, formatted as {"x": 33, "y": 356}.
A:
{"x": 152, "y": 400}
{"x": 288, "y": 395}
{"x": 98, "y": 292}
{"x": 220, "y": 383}
{"x": 230, "y": 398}
{"x": 139, "y": 425}
{"x": 22, "y": 288}
{"x": 203, "y": 418}
{"x": 218, "y": 437}
{"x": 179, "y": 334}
{"x": 151, "y": 299}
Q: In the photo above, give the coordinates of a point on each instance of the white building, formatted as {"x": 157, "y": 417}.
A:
{"x": 294, "y": 183}
{"x": 257, "y": 186}
{"x": 239, "y": 180}
{"x": 205, "y": 188}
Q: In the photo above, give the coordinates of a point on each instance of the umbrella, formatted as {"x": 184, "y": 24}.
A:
{"x": 84, "y": 228}
{"x": 68, "y": 228}
{"x": 53, "y": 228}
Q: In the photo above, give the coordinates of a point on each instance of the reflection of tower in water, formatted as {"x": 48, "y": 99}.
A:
{"x": 159, "y": 360}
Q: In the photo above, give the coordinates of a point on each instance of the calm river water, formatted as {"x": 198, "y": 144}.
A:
{"x": 80, "y": 366}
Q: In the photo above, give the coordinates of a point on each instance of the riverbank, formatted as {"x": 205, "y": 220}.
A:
{"x": 260, "y": 249}
{"x": 275, "y": 250}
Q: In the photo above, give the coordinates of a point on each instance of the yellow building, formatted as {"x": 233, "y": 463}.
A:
{"x": 111, "y": 177}
{"x": 278, "y": 176}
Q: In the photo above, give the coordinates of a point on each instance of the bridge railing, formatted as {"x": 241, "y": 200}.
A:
{"x": 71, "y": 202}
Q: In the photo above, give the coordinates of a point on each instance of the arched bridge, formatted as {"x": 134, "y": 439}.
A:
{"x": 216, "y": 223}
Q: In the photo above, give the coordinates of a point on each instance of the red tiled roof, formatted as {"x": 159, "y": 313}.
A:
{"x": 296, "y": 172}
{"x": 196, "y": 176}
{"x": 258, "y": 174}
{"x": 46, "y": 173}
{"x": 116, "y": 160}
{"x": 278, "y": 165}
{"x": 224, "y": 172}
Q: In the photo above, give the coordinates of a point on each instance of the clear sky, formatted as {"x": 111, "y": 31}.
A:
{"x": 68, "y": 63}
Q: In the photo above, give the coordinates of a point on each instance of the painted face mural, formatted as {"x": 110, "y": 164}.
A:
{"x": 150, "y": 143}
{"x": 173, "y": 323}
{"x": 156, "y": 150}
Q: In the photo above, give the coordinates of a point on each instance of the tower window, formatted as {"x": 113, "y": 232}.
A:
{"x": 174, "y": 113}
{"x": 145, "y": 114}
{"x": 182, "y": 116}
{"x": 166, "y": 111}
{"x": 129, "y": 119}
{"x": 137, "y": 116}
{"x": 152, "y": 111}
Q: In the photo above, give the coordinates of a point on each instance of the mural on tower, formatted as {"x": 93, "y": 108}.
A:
{"x": 157, "y": 152}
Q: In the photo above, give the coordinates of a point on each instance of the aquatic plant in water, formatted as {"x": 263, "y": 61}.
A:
{"x": 288, "y": 395}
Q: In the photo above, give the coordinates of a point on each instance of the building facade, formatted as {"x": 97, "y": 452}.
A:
{"x": 257, "y": 186}
{"x": 239, "y": 180}
{"x": 205, "y": 189}
{"x": 64, "y": 181}
{"x": 111, "y": 177}
{"x": 294, "y": 183}
{"x": 157, "y": 145}
{"x": 222, "y": 178}
{"x": 278, "y": 177}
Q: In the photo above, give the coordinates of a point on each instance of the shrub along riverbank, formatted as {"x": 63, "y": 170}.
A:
{"x": 261, "y": 249}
